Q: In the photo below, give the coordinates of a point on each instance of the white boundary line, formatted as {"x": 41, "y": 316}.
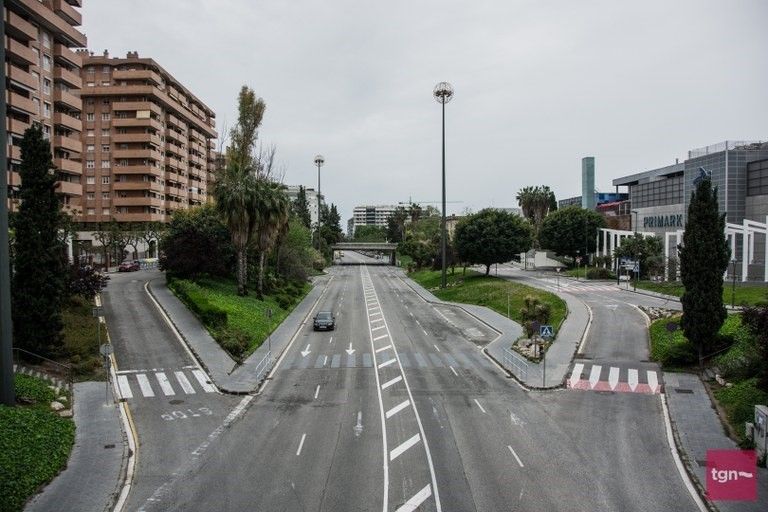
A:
{"x": 586, "y": 329}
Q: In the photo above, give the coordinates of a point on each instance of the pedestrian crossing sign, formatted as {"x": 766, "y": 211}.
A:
{"x": 546, "y": 331}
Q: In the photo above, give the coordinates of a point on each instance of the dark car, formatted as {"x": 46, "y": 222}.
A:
{"x": 129, "y": 266}
{"x": 324, "y": 321}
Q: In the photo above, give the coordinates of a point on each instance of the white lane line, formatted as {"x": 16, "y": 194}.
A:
{"x": 480, "y": 406}
{"x": 613, "y": 377}
{"x": 396, "y": 452}
{"x": 396, "y": 409}
{"x": 125, "y": 388}
{"x": 325, "y": 361}
{"x": 317, "y": 391}
{"x": 377, "y": 338}
{"x": 203, "y": 381}
{"x": 594, "y": 375}
{"x": 632, "y": 378}
{"x": 146, "y": 389}
{"x": 301, "y": 444}
{"x": 425, "y": 332}
{"x": 330, "y": 340}
{"x": 419, "y": 498}
{"x": 453, "y": 370}
{"x": 519, "y": 462}
{"x": 410, "y": 313}
{"x": 436, "y": 347}
{"x": 387, "y": 363}
{"x": 576, "y": 375}
{"x": 382, "y": 349}
{"x": 185, "y": 385}
{"x": 391, "y": 382}
{"x": 165, "y": 384}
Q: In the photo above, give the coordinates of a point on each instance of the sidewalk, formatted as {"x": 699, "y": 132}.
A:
{"x": 558, "y": 357}
{"x": 698, "y": 428}
{"x": 94, "y": 473}
{"x": 221, "y": 368}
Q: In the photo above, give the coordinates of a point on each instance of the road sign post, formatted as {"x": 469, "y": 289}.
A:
{"x": 269, "y": 336}
{"x": 106, "y": 350}
{"x": 545, "y": 332}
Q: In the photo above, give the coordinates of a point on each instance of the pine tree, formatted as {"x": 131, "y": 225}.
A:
{"x": 704, "y": 258}
{"x": 301, "y": 207}
{"x": 40, "y": 260}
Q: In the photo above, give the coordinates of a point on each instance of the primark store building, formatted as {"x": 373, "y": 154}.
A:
{"x": 659, "y": 201}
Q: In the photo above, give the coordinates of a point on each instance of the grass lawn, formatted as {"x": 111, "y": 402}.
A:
{"x": 476, "y": 288}
{"x": 673, "y": 350}
{"x": 739, "y": 402}
{"x": 749, "y": 294}
{"x": 81, "y": 340}
{"x": 34, "y": 443}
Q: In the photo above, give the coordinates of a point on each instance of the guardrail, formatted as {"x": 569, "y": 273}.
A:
{"x": 58, "y": 374}
{"x": 264, "y": 366}
{"x": 515, "y": 363}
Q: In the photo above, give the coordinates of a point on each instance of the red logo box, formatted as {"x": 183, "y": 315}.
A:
{"x": 731, "y": 475}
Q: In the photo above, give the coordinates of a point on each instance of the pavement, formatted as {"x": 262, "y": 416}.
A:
{"x": 698, "y": 428}
{"x": 99, "y": 443}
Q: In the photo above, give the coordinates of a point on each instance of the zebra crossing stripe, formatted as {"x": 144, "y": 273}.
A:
{"x": 203, "y": 381}
{"x": 124, "y": 387}
{"x": 165, "y": 384}
{"x": 632, "y": 378}
{"x": 576, "y": 374}
{"x": 146, "y": 389}
{"x": 594, "y": 375}
{"x": 613, "y": 377}
{"x": 184, "y": 382}
{"x": 653, "y": 381}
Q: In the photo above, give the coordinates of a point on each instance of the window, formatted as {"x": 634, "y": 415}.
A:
{"x": 105, "y": 116}
{"x": 90, "y": 180}
{"x": 91, "y": 84}
{"x": 105, "y": 132}
{"x": 46, "y": 37}
{"x": 105, "y": 69}
{"x": 105, "y": 148}
{"x": 91, "y": 211}
{"x": 47, "y": 109}
{"x": 106, "y": 83}
{"x": 105, "y": 101}
{"x": 90, "y": 148}
{"x": 35, "y": 76}
{"x": 46, "y": 86}
{"x": 90, "y": 196}
{"x": 105, "y": 180}
{"x": 90, "y": 164}
{"x": 90, "y": 69}
{"x": 105, "y": 211}
{"x": 90, "y": 116}
{"x": 89, "y": 133}
{"x": 105, "y": 195}
{"x": 46, "y": 131}
{"x": 105, "y": 164}
{"x": 47, "y": 62}
{"x": 37, "y": 105}
{"x": 89, "y": 101}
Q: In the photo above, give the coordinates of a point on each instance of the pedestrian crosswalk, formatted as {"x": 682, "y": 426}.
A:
{"x": 408, "y": 359}
{"x": 598, "y": 377}
{"x": 151, "y": 384}
{"x": 585, "y": 288}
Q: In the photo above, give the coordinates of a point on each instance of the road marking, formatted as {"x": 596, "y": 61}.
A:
{"x": 377, "y": 320}
{"x": 391, "y": 382}
{"x": 382, "y": 349}
{"x": 425, "y": 332}
{"x": 396, "y": 452}
{"x": 613, "y": 377}
{"x": 519, "y": 462}
{"x": 377, "y": 328}
{"x": 396, "y": 409}
{"x": 377, "y": 338}
{"x": 330, "y": 340}
{"x": 185, "y": 385}
{"x": 414, "y": 503}
{"x": 594, "y": 375}
{"x": 165, "y": 384}
{"x": 125, "y": 389}
{"x": 301, "y": 444}
{"x": 387, "y": 363}
{"x": 305, "y": 352}
{"x": 374, "y": 314}
{"x": 653, "y": 381}
{"x": 203, "y": 381}
{"x": 453, "y": 370}
{"x": 480, "y": 406}
{"x": 410, "y": 313}
{"x": 632, "y": 378}
{"x": 436, "y": 347}
{"x": 325, "y": 361}
{"x": 576, "y": 374}
{"x": 317, "y": 391}
{"x": 146, "y": 389}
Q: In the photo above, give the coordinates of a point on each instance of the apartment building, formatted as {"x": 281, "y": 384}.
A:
{"x": 148, "y": 142}
{"x": 42, "y": 87}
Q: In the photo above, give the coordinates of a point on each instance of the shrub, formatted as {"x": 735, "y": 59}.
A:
{"x": 739, "y": 402}
{"x": 284, "y": 301}
{"x": 234, "y": 341}
{"x": 670, "y": 348}
{"x": 598, "y": 273}
{"x": 193, "y": 296}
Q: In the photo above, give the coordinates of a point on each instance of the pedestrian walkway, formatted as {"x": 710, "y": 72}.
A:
{"x": 162, "y": 383}
{"x": 94, "y": 472}
{"x": 698, "y": 429}
{"x": 598, "y": 377}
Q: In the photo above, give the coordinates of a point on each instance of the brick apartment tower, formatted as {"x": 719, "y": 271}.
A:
{"x": 148, "y": 142}
{"x": 43, "y": 85}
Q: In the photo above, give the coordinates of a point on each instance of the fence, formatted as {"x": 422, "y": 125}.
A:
{"x": 58, "y": 374}
{"x": 264, "y": 366}
{"x": 516, "y": 364}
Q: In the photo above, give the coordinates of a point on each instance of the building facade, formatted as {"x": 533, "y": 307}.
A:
{"x": 600, "y": 198}
{"x": 312, "y": 200}
{"x": 588, "y": 182}
{"x": 148, "y": 142}
{"x": 42, "y": 87}
{"x": 369, "y": 215}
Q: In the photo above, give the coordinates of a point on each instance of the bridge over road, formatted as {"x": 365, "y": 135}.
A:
{"x": 391, "y": 249}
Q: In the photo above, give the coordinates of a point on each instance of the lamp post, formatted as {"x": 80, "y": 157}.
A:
{"x": 443, "y": 93}
{"x": 733, "y": 285}
{"x": 319, "y": 161}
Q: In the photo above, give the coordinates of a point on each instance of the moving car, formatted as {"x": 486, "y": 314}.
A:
{"x": 129, "y": 266}
{"x": 324, "y": 320}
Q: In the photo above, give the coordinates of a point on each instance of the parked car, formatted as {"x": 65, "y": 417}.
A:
{"x": 324, "y": 321}
{"x": 129, "y": 266}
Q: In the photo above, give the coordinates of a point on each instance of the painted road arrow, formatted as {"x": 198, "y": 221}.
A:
{"x": 305, "y": 352}
{"x": 350, "y": 350}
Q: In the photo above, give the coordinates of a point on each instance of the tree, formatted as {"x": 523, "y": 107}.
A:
{"x": 151, "y": 233}
{"x": 571, "y": 231}
{"x": 300, "y": 207}
{"x": 330, "y": 230}
{"x": 536, "y": 202}
{"x": 197, "y": 243}
{"x": 370, "y": 234}
{"x": 39, "y": 277}
{"x": 273, "y": 210}
{"x": 295, "y": 253}
{"x": 491, "y": 236}
{"x": 396, "y": 225}
{"x": 756, "y": 319}
{"x": 648, "y": 250}
{"x": 703, "y": 260}
{"x": 85, "y": 281}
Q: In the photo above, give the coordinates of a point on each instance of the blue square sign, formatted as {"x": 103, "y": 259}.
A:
{"x": 546, "y": 331}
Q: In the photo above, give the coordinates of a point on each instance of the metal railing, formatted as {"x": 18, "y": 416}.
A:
{"x": 29, "y": 363}
{"x": 264, "y": 366}
{"x": 515, "y": 363}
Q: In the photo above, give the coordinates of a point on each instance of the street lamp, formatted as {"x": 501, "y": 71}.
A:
{"x": 319, "y": 161}
{"x": 733, "y": 285}
{"x": 443, "y": 93}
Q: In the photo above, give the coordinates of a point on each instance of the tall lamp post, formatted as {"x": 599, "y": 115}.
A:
{"x": 443, "y": 93}
{"x": 319, "y": 161}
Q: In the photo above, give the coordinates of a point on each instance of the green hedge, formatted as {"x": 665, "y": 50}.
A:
{"x": 739, "y": 402}
{"x": 194, "y": 297}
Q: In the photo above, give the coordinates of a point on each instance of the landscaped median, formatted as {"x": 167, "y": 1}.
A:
{"x": 35, "y": 441}
{"x": 751, "y": 294}
{"x": 239, "y": 324}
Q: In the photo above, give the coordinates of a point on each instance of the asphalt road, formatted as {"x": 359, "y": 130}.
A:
{"x": 398, "y": 409}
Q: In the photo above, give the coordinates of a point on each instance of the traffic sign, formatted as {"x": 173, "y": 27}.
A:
{"x": 105, "y": 349}
{"x": 636, "y": 267}
{"x": 97, "y": 311}
{"x": 546, "y": 331}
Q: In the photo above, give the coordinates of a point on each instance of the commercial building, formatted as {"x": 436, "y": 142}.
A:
{"x": 148, "y": 142}
{"x": 42, "y": 87}
{"x": 599, "y": 198}
{"x": 312, "y": 200}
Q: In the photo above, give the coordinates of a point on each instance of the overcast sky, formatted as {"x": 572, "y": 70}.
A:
{"x": 538, "y": 85}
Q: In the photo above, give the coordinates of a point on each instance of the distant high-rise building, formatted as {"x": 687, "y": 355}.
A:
{"x": 588, "y": 183}
{"x": 370, "y": 215}
{"x": 311, "y": 195}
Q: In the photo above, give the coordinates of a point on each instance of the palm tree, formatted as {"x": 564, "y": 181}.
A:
{"x": 272, "y": 214}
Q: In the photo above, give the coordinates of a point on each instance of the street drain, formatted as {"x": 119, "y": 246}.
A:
{"x": 176, "y": 401}
{"x": 684, "y": 391}
{"x": 109, "y": 446}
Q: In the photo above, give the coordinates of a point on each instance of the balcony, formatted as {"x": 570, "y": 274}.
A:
{"x": 61, "y": 74}
{"x": 119, "y": 154}
{"x": 68, "y": 99}
{"x": 68, "y": 121}
{"x": 20, "y": 52}
{"x": 18, "y": 27}
{"x": 138, "y": 185}
{"x": 61, "y": 52}
{"x": 133, "y": 106}
{"x": 176, "y": 192}
{"x": 69, "y": 13}
{"x": 140, "y": 217}
{"x": 15, "y": 153}
{"x": 22, "y": 78}
{"x": 73, "y": 145}
{"x": 138, "y": 170}
{"x": 16, "y": 126}
{"x": 69, "y": 189}
{"x": 174, "y": 135}
{"x": 133, "y": 122}
{"x": 180, "y": 152}
{"x": 175, "y": 121}
{"x": 18, "y": 102}
{"x": 176, "y": 205}
{"x": 54, "y": 23}
{"x": 175, "y": 163}
{"x": 141, "y": 137}
{"x": 138, "y": 201}
{"x": 137, "y": 74}
{"x": 68, "y": 166}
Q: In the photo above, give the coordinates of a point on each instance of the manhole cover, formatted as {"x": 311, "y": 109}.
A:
{"x": 176, "y": 401}
{"x": 684, "y": 391}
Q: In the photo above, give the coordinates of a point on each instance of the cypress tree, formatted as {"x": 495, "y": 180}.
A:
{"x": 40, "y": 257}
{"x": 301, "y": 207}
{"x": 704, "y": 258}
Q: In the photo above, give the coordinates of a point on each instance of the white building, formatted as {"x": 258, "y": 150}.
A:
{"x": 372, "y": 215}
{"x": 312, "y": 204}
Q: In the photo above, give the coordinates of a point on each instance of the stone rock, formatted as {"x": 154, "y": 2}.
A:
{"x": 720, "y": 380}
{"x": 66, "y": 413}
{"x": 61, "y": 399}
{"x": 57, "y": 406}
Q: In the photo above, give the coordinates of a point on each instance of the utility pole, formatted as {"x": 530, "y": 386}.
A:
{"x": 443, "y": 93}
{"x": 7, "y": 393}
